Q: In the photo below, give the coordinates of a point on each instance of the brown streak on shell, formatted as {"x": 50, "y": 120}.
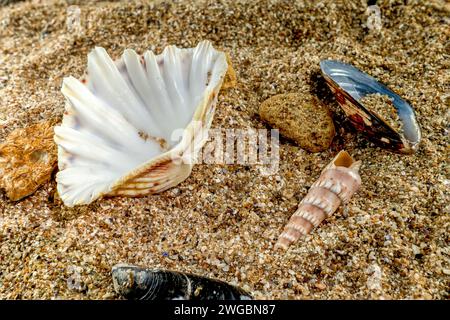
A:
{"x": 329, "y": 201}
{"x": 339, "y": 180}
{"x": 154, "y": 177}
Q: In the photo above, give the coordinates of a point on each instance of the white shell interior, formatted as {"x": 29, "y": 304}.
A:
{"x": 127, "y": 113}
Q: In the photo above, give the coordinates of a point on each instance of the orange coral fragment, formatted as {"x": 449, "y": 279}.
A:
{"x": 28, "y": 157}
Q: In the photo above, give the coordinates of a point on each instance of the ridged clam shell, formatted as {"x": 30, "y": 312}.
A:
{"x": 116, "y": 137}
{"x": 337, "y": 183}
{"x": 137, "y": 283}
{"x": 349, "y": 85}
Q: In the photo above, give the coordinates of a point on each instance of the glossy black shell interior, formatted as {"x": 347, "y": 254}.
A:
{"x": 137, "y": 283}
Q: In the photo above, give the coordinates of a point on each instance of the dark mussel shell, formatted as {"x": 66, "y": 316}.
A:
{"x": 349, "y": 85}
{"x": 137, "y": 283}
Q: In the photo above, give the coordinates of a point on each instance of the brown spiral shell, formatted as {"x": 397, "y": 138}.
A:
{"x": 337, "y": 183}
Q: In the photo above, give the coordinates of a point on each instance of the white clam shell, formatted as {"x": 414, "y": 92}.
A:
{"x": 117, "y": 135}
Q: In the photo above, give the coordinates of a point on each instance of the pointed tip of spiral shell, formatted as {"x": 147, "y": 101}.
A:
{"x": 282, "y": 244}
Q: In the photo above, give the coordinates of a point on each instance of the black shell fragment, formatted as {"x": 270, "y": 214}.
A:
{"x": 137, "y": 283}
{"x": 349, "y": 85}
